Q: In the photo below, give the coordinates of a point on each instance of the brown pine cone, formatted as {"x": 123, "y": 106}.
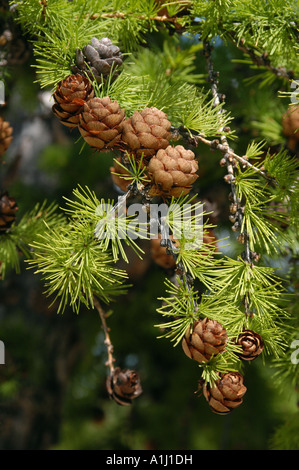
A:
{"x": 159, "y": 254}
{"x": 69, "y": 97}
{"x": 5, "y": 136}
{"x": 252, "y": 345}
{"x": 123, "y": 386}
{"x": 290, "y": 126}
{"x": 173, "y": 171}
{"x": 206, "y": 339}
{"x": 146, "y": 131}
{"x": 98, "y": 59}
{"x": 101, "y": 123}
{"x": 226, "y": 394}
{"x": 8, "y": 209}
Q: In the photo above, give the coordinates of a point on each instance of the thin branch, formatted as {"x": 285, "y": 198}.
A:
{"x": 123, "y": 16}
{"x": 44, "y": 4}
{"x": 228, "y": 156}
{"x": 227, "y": 151}
{"x": 261, "y": 60}
{"x": 107, "y": 341}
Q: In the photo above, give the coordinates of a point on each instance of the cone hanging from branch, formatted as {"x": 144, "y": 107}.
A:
{"x": 123, "y": 386}
{"x": 145, "y": 132}
{"x": 226, "y": 394}
{"x": 173, "y": 171}
{"x": 99, "y": 59}
{"x": 252, "y": 345}
{"x": 101, "y": 123}
{"x": 207, "y": 338}
{"x": 8, "y": 209}
{"x": 70, "y": 96}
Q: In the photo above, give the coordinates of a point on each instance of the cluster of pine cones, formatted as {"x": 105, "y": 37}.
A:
{"x": 202, "y": 342}
{"x": 206, "y": 339}
{"x": 103, "y": 124}
{"x": 171, "y": 171}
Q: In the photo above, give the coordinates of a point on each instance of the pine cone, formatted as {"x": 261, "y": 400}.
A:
{"x": 160, "y": 255}
{"x": 173, "y": 171}
{"x": 251, "y": 344}
{"x": 226, "y": 394}
{"x": 290, "y": 126}
{"x": 70, "y": 96}
{"x": 101, "y": 123}
{"x": 5, "y": 136}
{"x": 146, "y": 131}
{"x": 208, "y": 338}
{"x": 8, "y": 209}
{"x": 123, "y": 386}
{"x": 99, "y": 59}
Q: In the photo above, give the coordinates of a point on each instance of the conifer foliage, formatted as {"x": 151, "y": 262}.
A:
{"x": 151, "y": 109}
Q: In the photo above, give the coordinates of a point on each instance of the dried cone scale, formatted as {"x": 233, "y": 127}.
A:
{"x": 173, "y": 171}
{"x": 206, "y": 339}
{"x": 252, "y": 345}
{"x": 69, "y": 97}
{"x": 101, "y": 123}
{"x": 5, "y": 135}
{"x": 123, "y": 386}
{"x": 226, "y": 394}
{"x": 146, "y": 132}
{"x": 8, "y": 209}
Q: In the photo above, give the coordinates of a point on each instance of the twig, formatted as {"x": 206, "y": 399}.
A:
{"x": 44, "y": 4}
{"x": 121, "y": 15}
{"x": 107, "y": 341}
{"x": 262, "y": 60}
{"x": 229, "y": 153}
{"x": 228, "y": 157}
{"x": 215, "y": 144}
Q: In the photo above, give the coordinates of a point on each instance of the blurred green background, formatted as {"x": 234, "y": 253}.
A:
{"x": 52, "y": 386}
